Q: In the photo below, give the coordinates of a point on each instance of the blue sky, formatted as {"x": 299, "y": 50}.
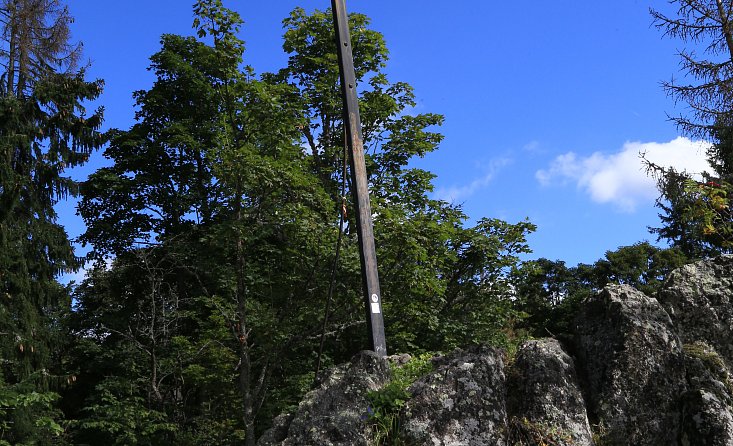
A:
{"x": 547, "y": 104}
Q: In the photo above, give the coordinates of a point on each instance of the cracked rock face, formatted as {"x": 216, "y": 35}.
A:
{"x": 544, "y": 393}
{"x": 332, "y": 414}
{"x": 461, "y": 403}
{"x": 634, "y": 365}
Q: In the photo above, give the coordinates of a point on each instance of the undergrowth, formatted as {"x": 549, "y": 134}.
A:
{"x": 385, "y": 404}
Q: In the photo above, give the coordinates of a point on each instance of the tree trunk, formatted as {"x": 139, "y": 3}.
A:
{"x": 11, "y": 57}
{"x": 725, "y": 24}
{"x": 245, "y": 364}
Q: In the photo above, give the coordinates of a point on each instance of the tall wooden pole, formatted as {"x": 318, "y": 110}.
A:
{"x": 359, "y": 187}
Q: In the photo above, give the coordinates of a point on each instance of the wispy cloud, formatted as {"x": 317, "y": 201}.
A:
{"x": 457, "y": 193}
{"x": 620, "y": 178}
{"x": 532, "y": 146}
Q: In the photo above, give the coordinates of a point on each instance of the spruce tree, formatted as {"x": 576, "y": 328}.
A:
{"x": 44, "y": 131}
{"x": 696, "y": 215}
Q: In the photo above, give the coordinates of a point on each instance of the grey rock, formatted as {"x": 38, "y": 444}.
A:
{"x": 707, "y": 420}
{"x": 699, "y": 299}
{"x": 333, "y": 413}
{"x": 634, "y": 367}
{"x": 545, "y": 397}
{"x": 707, "y": 416}
{"x": 461, "y": 403}
{"x": 278, "y": 432}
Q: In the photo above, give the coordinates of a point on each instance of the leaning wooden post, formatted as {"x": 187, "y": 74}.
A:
{"x": 359, "y": 187}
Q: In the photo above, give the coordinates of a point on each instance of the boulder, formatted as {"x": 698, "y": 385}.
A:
{"x": 461, "y": 403}
{"x": 333, "y": 414}
{"x": 634, "y": 367}
{"x": 699, "y": 299}
{"x": 545, "y": 401}
{"x": 707, "y": 405}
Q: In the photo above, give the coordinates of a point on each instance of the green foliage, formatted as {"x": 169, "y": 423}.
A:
{"x": 44, "y": 130}
{"x": 386, "y": 403}
{"x": 450, "y": 283}
{"x": 120, "y": 417}
{"x": 40, "y": 137}
{"x": 29, "y": 416}
{"x": 222, "y": 277}
{"x": 641, "y": 265}
{"x": 697, "y": 217}
{"x": 709, "y": 205}
{"x": 176, "y": 351}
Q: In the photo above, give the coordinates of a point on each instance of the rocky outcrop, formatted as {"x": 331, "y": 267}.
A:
{"x": 699, "y": 299}
{"x": 632, "y": 360}
{"x": 462, "y": 402}
{"x": 545, "y": 396}
{"x": 639, "y": 371}
{"x": 707, "y": 405}
{"x": 333, "y": 414}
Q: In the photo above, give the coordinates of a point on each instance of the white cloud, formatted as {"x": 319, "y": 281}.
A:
{"x": 455, "y": 193}
{"x": 620, "y": 178}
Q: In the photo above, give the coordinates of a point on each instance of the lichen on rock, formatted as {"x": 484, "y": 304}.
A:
{"x": 707, "y": 405}
{"x": 462, "y": 402}
{"x": 333, "y": 413}
{"x": 545, "y": 397}
{"x": 633, "y": 363}
{"x": 699, "y": 299}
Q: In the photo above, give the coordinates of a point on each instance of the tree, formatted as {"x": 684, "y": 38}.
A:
{"x": 36, "y": 42}
{"x": 217, "y": 182}
{"x": 44, "y": 130}
{"x": 446, "y": 280}
{"x": 153, "y": 357}
{"x": 547, "y": 293}
{"x": 697, "y": 215}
